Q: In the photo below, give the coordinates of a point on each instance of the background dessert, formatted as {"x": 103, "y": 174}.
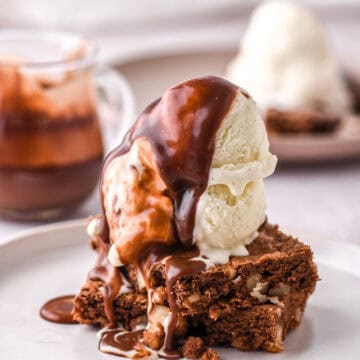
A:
{"x": 286, "y": 62}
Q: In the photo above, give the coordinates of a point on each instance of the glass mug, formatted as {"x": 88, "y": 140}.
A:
{"x": 55, "y": 124}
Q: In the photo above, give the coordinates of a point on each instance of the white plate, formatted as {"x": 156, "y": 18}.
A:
{"x": 150, "y": 76}
{"x": 54, "y": 260}
{"x": 343, "y": 144}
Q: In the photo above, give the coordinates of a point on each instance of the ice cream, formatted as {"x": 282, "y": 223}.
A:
{"x": 189, "y": 173}
{"x": 285, "y": 61}
{"x": 233, "y": 206}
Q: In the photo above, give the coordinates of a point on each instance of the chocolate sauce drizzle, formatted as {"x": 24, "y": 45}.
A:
{"x": 176, "y": 267}
{"x": 120, "y": 343}
{"x": 181, "y": 128}
{"x": 106, "y": 273}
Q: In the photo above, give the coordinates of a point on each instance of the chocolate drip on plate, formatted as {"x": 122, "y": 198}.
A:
{"x": 105, "y": 272}
{"x": 123, "y": 343}
{"x": 59, "y": 310}
{"x": 177, "y": 267}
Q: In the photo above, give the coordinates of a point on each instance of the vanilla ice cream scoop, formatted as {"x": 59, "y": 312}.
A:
{"x": 189, "y": 173}
{"x": 285, "y": 61}
{"x": 233, "y": 206}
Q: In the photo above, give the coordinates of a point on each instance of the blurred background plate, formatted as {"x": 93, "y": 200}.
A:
{"x": 151, "y": 75}
{"x": 342, "y": 145}
{"x": 53, "y": 260}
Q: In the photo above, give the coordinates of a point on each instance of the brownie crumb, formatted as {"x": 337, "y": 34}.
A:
{"x": 154, "y": 338}
{"x": 193, "y": 347}
{"x": 210, "y": 354}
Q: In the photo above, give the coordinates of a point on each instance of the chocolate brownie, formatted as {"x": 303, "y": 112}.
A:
{"x": 249, "y": 303}
{"x": 300, "y": 121}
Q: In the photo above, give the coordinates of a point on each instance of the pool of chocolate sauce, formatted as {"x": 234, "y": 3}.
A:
{"x": 59, "y": 310}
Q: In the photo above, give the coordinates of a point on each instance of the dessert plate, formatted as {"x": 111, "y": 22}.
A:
{"x": 170, "y": 69}
{"x": 53, "y": 260}
{"x": 344, "y": 144}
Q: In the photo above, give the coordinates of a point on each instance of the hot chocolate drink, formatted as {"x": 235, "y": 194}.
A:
{"x": 50, "y": 141}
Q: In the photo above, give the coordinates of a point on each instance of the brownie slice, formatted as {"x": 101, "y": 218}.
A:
{"x": 300, "y": 122}
{"x": 249, "y": 303}
{"x": 89, "y": 306}
{"x": 260, "y": 327}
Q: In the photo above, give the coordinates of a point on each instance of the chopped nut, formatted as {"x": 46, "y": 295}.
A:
{"x": 157, "y": 319}
{"x": 259, "y": 291}
{"x": 214, "y": 313}
{"x": 138, "y": 322}
{"x": 158, "y": 314}
{"x": 193, "y": 347}
{"x": 193, "y": 298}
{"x": 181, "y": 326}
{"x": 154, "y": 337}
{"x": 279, "y": 333}
{"x": 210, "y": 354}
{"x": 237, "y": 279}
{"x": 298, "y": 314}
{"x": 252, "y": 281}
{"x": 241, "y": 344}
{"x": 277, "y": 346}
{"x": 155, "y": 333}
{"x": 231, "y": 273}
{"x": 141, "y": 350}
{"x": 159, "y": 296}
{"x": 281, "y": 290}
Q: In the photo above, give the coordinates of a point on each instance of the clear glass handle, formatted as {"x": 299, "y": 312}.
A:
{"x": 116, "y": 106}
